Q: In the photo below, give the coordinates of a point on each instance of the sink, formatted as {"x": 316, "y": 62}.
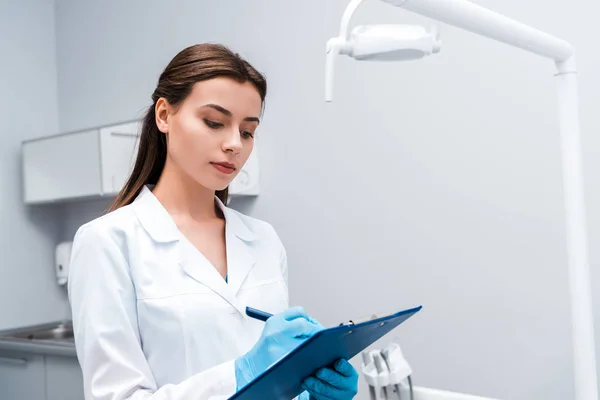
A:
{"x": 61, "y": 331}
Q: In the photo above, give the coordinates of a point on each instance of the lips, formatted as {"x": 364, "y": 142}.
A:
{"x": 224, "y": 167}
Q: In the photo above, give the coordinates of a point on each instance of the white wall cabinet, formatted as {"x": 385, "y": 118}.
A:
{"x": 78, "y": 165}
{"x": 95, "y": 163}
{"x": 22, "y": 376}
{"x": 29, "y": 376}
{"x": 246, "y": 182}
{"x": 64, "y": 379}
{"x": 118, "y": 149}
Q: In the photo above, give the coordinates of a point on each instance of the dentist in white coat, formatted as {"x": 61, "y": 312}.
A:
{"x": 158, "y": 286}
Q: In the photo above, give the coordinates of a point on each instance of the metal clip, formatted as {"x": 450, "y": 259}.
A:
{"x": 359, "y": 321}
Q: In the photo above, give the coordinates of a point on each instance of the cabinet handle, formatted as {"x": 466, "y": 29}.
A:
{"x": 13, "y": 361}
{"x": 123, "y": 134}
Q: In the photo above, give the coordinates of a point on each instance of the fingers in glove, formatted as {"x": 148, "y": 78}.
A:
{"x": 324, "y": 391}
{"x": 335, "y": 379}
{"x": 301, "y": 327}
{"x": 294, "y": 312}
{"x": 298, "y": 312}
{"x": 345, "y": 368}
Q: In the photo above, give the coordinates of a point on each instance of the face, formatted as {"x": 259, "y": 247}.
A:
{"x": 210, "y": 135}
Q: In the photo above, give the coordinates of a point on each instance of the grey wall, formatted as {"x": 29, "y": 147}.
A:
{"x": 28, "y": 104}
{"x": 434, "y": 183}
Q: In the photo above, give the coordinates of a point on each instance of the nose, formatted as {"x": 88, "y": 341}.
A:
{"x": 232, "y": 141}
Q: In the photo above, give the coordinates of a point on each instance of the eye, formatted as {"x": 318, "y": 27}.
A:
{"x": 212, "y": 124}
{"x": 247, "y": 135}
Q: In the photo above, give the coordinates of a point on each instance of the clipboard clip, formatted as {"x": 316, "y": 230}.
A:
{"x": 360, "y": 320}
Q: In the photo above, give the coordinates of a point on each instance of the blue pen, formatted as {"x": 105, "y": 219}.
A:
{"x": 257, "y": 314}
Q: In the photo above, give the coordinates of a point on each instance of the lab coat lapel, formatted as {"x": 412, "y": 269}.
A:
{"x": 240, "y": 262}
{"x": 239, "y": 240}
{"x": 158, "y": 223}
{"x": 197, "y": 267}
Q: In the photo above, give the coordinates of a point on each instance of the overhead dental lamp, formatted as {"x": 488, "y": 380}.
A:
{"x": 403, "y": 43}
{"x": 378, "y": 43}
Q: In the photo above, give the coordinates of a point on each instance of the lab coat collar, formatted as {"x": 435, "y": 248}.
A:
{"x": 160, "y": 226}
{"x": 240, "y": 261}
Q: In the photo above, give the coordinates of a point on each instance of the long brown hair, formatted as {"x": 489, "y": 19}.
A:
{"x": 193, "y": 64}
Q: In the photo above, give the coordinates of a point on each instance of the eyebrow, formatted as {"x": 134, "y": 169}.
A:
{"x": 228, "y": 113}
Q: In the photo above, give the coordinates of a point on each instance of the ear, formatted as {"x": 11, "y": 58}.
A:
{"x": 162, "y": 111}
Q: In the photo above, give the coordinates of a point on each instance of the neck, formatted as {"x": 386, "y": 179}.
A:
{"x": 181, "y": 196}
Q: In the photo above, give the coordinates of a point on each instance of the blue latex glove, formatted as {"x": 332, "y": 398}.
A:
{"x": 337, "y": 383}
{"x": 282, "y": 333}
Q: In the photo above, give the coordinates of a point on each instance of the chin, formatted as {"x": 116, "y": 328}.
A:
{"x": 216, "y": 185}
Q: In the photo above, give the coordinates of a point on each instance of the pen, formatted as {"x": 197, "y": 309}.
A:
{"x": 257, "y": 314}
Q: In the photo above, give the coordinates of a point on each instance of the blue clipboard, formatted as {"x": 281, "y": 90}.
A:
{"x": 283, "y": 380}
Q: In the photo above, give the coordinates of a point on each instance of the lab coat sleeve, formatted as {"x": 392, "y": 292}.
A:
{"x": 103, "y": 304}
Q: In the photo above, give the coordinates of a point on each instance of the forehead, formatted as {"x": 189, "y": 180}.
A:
{"x": 242, "y": 99}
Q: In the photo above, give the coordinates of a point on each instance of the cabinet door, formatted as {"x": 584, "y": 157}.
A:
{"x": 119, "y": 150}
{"x": 246, "y": 183}
{"x": 62, "y": 167}
{"x": 21, "y": 376}
{"x": 64, "y": 380}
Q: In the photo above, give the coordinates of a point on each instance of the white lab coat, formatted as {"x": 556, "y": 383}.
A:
{"x": 153, "y": 319}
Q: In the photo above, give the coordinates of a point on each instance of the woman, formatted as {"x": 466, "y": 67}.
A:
{"x": 158, "y": 286}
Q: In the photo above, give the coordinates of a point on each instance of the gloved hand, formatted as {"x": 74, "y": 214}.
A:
{"x": 282, "y": 333}
{"x": 337, "y": 383}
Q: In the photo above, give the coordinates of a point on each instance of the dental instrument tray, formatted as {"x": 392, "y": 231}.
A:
{"x": 283, "y": 379}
